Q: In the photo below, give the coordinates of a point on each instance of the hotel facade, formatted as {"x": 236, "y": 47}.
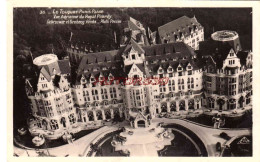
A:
{"x": 138, "y": 78}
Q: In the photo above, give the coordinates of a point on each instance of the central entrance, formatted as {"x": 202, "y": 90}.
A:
{"x": 141, "y": 123}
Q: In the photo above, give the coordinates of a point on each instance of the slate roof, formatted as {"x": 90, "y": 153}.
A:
{"x": 216, "y": 49}
{"x": 134, "y": 24}
{"x": 178, "y": 27}
{"x": 45, "y": 73}
{"x": 242, "y": 55}
{"x": 100, "y": 63}
{"x": 64, "y": 66}
{"x": 172, "y": 55}
{"x": 91, "y": 42}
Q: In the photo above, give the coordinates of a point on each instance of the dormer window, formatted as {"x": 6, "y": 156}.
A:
{"x": 133, "y": 57}
{"x": 54, "y": 71}
{"x": 101, "y": 78}
{"x": 160, "y": 70}
{"x": 179, "y": 68}
{"x": 110, "y": 77}
{"x": 95, "y": 69}
{"x": 104, "y": 68}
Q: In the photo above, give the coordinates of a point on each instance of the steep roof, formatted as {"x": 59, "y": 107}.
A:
{"x": 45, "y": 73}
{"x": 64, "y": 66}
{"x": 50, "y": 68}
{"x": 217, "y": 50}
{"x": 102, "y": 62}
{"x": 182, "y": 25}
{"x": 171, "y": 54}
{"x": 91, "y": 42}
{"x": 134, "y": 24}
{"x": 136, "y": 46}
{"x": 176, "y": 50}
{"x": 242, "y": 55}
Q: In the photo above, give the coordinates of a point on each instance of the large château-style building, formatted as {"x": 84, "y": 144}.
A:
{"x": 139, "y": 80}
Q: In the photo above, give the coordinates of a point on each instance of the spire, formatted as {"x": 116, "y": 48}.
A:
{"x": 71, "y": 34}
{"x": 115, "y": 37}
{"x": 194, "y": 18}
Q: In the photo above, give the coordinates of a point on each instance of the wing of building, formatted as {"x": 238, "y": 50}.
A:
{"x": 227, "y": 71}
{"x": 184, "y": 29}
{"x": 52, "y": 106}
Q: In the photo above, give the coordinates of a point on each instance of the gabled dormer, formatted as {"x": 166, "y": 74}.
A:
{"x": 189, "y": 67}
{"x": 179, "y": 68}
{"x": 170, "y": 69}
{"x": 160, "y": 70}
{"x": 92, "y": 78}
{"x": 135, "y": 71}
{"x": 44, "y": 81}
{"x": 232, "y": 60}
{"x": 83, "y": 79}
{"x": 133, "y": 53}
{"x": 110, "y": 76}
{"x": 63, "y": 83}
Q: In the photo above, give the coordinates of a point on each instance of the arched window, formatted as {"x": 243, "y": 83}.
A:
{"x": 191, "y": 104}
{"x": 211, "y": 102}
{"x": 164, "y": 107}
{"x": 108, "y": 114}
{"x": 182, "y": 105}
{"x": 173, "y": 106}
{"x": 99, "y": 115}
{"x": 90, "y": 116}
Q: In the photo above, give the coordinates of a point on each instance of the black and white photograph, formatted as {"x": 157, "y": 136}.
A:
{"x": 132, "y": 82}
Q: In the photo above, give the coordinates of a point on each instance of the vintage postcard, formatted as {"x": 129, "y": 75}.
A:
{"x": 133, "y": 81}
